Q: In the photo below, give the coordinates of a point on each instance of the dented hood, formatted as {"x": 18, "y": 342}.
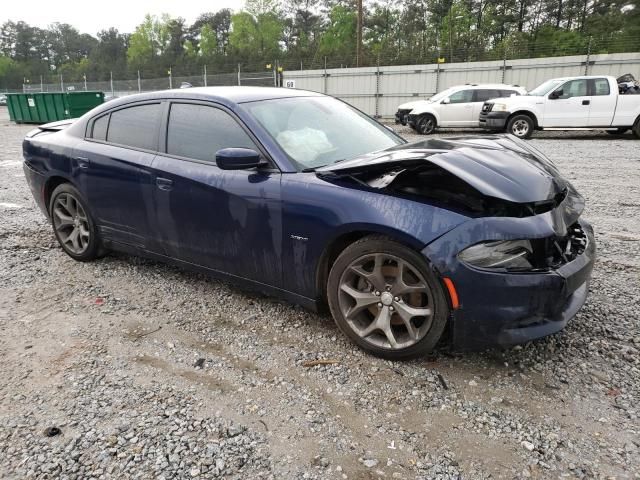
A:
{"x": 499, "y": 166}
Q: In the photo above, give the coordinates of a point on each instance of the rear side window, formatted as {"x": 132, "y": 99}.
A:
{"x": 463, "y": 96}
{"x": 483, "y": 95}
{"x": 199, "y": 131}
{"x": 135, "y": 126}
{"x": 601, "y": 86}
{"x": 100, "y": 128}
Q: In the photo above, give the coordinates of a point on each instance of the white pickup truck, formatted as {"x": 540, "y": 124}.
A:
{"x": 570, "y": 103}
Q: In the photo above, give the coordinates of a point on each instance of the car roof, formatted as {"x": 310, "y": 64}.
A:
{"x": 224, "y": 95}
{"x": 486, "y": 85}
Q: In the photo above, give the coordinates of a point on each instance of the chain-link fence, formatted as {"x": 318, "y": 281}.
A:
{"x": 120, "y": 88}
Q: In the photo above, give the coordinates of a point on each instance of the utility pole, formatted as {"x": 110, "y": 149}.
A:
{"x": 359, "y": 35}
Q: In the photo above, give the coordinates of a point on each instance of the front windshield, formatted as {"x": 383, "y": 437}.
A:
{"x": 318, "y": 131}
{"x": 439, "y": 96}
{"x": 545, "y": 88}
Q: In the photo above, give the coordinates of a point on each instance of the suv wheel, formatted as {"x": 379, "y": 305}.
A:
{"x": 426, "y": 124}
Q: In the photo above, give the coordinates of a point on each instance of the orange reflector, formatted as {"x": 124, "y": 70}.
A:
{"x": 455, "y": 303}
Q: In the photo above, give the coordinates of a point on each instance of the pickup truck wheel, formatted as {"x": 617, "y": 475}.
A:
{"x": 618, "y": 131}
{"x": 521, "y": 126}
{"x": 426, "y": 124}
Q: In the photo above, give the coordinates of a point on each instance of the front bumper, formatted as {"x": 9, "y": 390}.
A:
{"x": 493, "y": 120}
{"x": 402, "y": 116}
{"x": 504, "y": 309}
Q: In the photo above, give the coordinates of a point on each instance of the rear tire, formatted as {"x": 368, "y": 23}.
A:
{"x": 73, "y": 224}
{"x": 521, "y": 126}
{"x": 636, "y": 128}
{"x": 386, "y": 298}
{"x": 426, "y": 124}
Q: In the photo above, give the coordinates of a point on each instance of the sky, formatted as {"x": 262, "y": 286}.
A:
{"x": 92, "y": 16}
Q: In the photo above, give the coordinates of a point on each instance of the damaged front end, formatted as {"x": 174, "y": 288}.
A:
{"x": 522, "y": 262}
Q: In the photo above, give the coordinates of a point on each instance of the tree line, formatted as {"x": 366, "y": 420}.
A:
{"x": 311, "y": 33}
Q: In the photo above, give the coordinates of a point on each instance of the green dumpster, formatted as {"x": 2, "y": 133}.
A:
{"x": 51, "y": 107}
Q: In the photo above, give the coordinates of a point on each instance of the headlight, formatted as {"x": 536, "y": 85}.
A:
{"x": 506, "y": 254}
{"x": 499, "y": 107}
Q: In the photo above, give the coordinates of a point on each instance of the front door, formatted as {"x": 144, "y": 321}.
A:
{"x": 228, "y": 221}
{"x": 568, "y": 105}
{"x": 459, "y": 111}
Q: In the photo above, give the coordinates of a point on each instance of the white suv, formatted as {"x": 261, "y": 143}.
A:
{"x": 454, "y": 107}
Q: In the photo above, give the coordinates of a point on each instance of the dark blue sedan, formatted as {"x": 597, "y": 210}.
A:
{"x": 474, "y": 240}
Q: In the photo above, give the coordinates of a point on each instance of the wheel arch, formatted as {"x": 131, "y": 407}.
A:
{"x": 343, "y": 240}
{"x": 528, "y": 113}
{"x": 50, "y": 185}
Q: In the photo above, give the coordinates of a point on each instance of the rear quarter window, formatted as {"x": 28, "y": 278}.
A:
{"x": 100, "y": 125}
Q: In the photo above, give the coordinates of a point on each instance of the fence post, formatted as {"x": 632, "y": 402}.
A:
{"x": 61, "y": 84}
{"x": 504, "y": 64}
{"x": 377, "y": 114}
{"x": 205, "y": 74}
{"x": 41, "y": 84}
{"x": 437, "y": 75}
{"x": 84, "y": 76}
{"x": 170, "y": 79}
{"x": 111, "y": 83}
{"x": 275, "y": 73}
{"x": 239, "y": 74}
{"x": 139, "y": 89}
{"x": 325, "y": 75}
{"x": 586, "y": 64}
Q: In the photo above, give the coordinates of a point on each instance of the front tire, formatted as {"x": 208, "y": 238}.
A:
{"x": 426, "y": 124}
{"x": 73, "y": 224}
{"x": 521, "y": 126}
{"x": 386, "y": 298}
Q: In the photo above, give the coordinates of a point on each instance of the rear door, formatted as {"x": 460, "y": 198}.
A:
{"x": 228, "y": 221}
{"x": 459, "y": 111}
{"x": 114, "y": 172}
{"x": 571, "y": 107}
{"x": 603, "y": 103}
{"x": 481, "y": 95}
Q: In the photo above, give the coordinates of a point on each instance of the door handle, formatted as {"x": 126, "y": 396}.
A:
{"x": 164, "y": 184}
{"x": 83, "y": 162}
{"x": 586, "y": 102}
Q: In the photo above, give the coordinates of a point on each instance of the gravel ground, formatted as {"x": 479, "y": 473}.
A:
{"x": 125, "y": 368}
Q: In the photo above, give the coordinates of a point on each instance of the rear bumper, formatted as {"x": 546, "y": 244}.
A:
{"x": 505, "y": 309}
{"x": 36, "y": 182}
{"x": 493, "y": 120}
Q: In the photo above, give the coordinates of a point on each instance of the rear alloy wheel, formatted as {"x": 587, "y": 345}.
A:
{"x": 385, "y": 297}
{"x": 426, "y": 124}
{"x": 521, "y": 126}
{"x": 72, "y": 224}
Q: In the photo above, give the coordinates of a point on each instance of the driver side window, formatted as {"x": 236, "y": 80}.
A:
{"x": 573, "y": 88}
{"x": 463, "y": 96}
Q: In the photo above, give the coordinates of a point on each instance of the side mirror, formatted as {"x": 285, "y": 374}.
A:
{"x": 556, "y": 94}
{"x": 446, "y": 100}
{"x": 238, "y": 159}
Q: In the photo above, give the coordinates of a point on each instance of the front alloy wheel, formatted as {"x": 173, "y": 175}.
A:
{"x": 383, "y": 297}
{"x": 521, "y": 126}
{"x": 426, "y": 124}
